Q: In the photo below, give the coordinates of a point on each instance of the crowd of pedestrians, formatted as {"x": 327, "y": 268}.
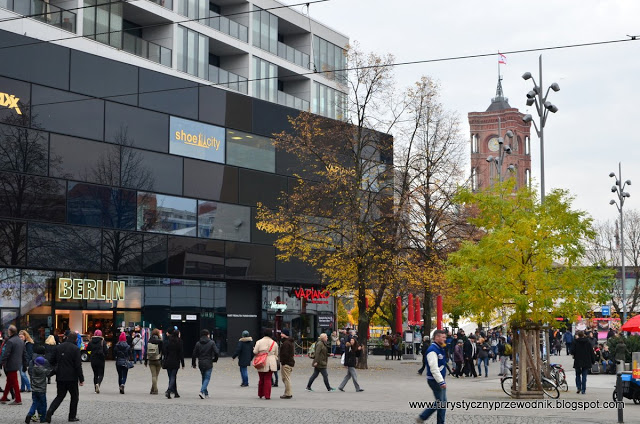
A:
{"x": 60, "y": 357}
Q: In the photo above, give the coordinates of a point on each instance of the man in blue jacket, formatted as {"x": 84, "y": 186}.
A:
{"x": 436, "y": 372}
{"x": 567, "y": 338}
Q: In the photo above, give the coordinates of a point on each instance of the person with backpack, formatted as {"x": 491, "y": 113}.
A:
{"x": 136, "y": 346}
{"x": 173, "y": 358}
{"x": 351, "y": 353}
{"x": 153, "y": 358}
{"x": 39, "y": 370}
{"x": 50, "y": 351}
{"x": 121, "y": 352}
{"x": 206, "y": 352}
{"x": 265, "y": 362}
{"x": 320, "y": 355}
{"x": 99, "y": 350}
{"x": 244, "y": 353}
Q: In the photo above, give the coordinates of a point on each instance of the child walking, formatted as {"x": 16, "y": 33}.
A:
{"x": 39, "y": 370}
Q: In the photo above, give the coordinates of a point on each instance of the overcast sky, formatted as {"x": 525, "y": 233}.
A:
{"x": 596, "y": 126}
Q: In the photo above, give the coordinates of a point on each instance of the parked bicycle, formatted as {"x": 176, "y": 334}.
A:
{"x": 549, "y": 387}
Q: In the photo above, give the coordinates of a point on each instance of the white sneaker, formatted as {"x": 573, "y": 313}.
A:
{"x": 201, "y": 395}
{"x": 206, "y": 396}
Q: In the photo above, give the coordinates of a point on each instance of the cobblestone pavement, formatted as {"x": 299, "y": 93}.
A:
{"x": 389, "y": 386}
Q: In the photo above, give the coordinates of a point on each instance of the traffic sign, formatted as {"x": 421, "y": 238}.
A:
{"x": 606, "y": 310}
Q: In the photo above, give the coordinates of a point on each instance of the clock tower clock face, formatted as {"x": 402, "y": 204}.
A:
{"x": 493, "y": 144}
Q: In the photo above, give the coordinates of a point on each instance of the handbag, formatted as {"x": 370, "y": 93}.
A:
{"x": 260, "y": 359}
{"x": 130, "y": 364}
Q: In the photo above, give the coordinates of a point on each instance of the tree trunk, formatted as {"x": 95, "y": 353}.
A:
{"x": 363, "y": 326}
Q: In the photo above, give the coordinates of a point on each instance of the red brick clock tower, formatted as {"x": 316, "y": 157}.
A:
{"x": 499, "y": 130}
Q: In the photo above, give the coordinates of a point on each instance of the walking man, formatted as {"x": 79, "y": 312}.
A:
{"x": 583, "y": 359}
{"x": 320, "y": 363}
{"x": 436, "y": 373}
{"x": 13, "y": 360}
{"x": 470, "y": 351}
{"x": 68, "y": 376}
{"x": 567, "y": 337}
{"x": 287, "y": 361}
{"x": 207, "y": 353}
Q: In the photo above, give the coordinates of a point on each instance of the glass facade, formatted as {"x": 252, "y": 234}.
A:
{"x": 193, "y": 52}
{"x": 329, "y": 102}
{"x": 329, "y": 57}
{"x": 91, "y": 190}
{"x": 265, "y": 84}
{"x": 265, "y": 30}
{"x": 103, "y": 22}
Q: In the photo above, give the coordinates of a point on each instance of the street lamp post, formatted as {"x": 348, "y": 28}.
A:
{"x": 543, "y": 107}
{"x": 618, "y": 188}
{"x": 502, "y": 150}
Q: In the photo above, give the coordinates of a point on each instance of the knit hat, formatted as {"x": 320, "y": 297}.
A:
{"x": 98, "y": 333}
{"x": 40, "y": 361}
{"x": 285, "y": 331}
{"x": 245, "y": 333}
{"x": 123, "y": 337}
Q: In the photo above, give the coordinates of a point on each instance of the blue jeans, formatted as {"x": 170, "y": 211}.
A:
{"x": 25, "y": 384}
{"x": 123, "y": 371}
{"x": 137, "y": 356}
{"x": 486, "y": 365}
{"x": 581, "y": 378}
{"x": 206, "y": 377}
{"x": 173, "y": 376}
{"x": 441, "y": 396}
{"x": 245, "y": 376}
{"x": 38, "y": 403}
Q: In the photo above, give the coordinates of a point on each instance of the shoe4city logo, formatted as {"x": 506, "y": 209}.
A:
{"x": 10, "y": 101}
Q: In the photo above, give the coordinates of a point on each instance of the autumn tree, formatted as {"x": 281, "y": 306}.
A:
{"x": 529, "y": 262}
{"x": 338, "y": 216}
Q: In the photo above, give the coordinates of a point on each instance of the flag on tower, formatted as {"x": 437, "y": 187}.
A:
{"x": 502, "y": 58}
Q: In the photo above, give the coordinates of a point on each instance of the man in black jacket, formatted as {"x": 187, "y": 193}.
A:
{"x": 583, "y": 359}
{"x": 470, "y": 352}
{"x": 14, "y": 359}
{"x": 207, "y": 353}
{"x": 69, "y": 374}
{"x": 287, "y": 361}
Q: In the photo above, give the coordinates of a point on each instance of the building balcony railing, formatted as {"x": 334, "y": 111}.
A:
{"x": 44, "y": 12}
{"x": 228, "y": 79}
{"x": 294, "y": 56}
{"x": 164, "y": 3}
{"x": 227, "y": 26}
{"x": 147, "y": 49}
{"x": 286, "y": 99}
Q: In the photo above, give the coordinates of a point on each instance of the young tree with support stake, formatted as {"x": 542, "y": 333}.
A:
{"x": 529, "y": 262}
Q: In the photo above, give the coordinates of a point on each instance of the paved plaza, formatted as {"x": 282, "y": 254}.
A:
{"x": 389, "y": 386}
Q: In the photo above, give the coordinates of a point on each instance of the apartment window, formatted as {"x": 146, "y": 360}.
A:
{"x": 329, "y": 57}
{"x": 103, "y": 22}
{"x": 193, "y": 52}
{"x": 329, "y": 102}
{"x": 265, "y": 30}
{"x": 265, "y": 86}
{"x": 194, "y": 8}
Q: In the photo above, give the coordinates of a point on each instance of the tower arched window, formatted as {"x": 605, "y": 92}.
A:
{"x": 474, "y": 143}
{"x": 527, "y": 145}
{"x": 527, "y": 177}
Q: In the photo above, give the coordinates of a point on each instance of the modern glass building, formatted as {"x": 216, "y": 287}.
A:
{"x": 129, "y": 184}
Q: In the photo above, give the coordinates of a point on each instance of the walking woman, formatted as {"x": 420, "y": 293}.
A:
{"x": 352, "y": 352}
{"x": 99, "y": 350}
{"x": 121, "y": 353}
{"x": 244, "y": 353}
{"x": 153, "y": 357}
{"x": 270, "y": 347}
{"x": 173, "y": 358}
{"x": 50, "y": 352}
{"x": 25, "y": 384}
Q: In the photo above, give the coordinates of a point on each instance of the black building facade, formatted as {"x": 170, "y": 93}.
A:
{"x": 128, "y": 198}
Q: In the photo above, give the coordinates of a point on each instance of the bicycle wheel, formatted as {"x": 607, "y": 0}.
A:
{"x": 550, "y": 389}
{"x": 563, "y": 385}
{"x": 506, "y": 383}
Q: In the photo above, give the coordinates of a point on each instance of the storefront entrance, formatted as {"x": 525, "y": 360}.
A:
{"x": 85, "y": 322}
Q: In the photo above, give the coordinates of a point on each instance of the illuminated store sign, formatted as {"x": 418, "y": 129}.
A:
{"x": 278, "y": 306}
{"x": 196, "y": 140}
{"x": 10, "y": 101}
{"x": 85, "y": 289}
{"x": 313, "y": 295}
